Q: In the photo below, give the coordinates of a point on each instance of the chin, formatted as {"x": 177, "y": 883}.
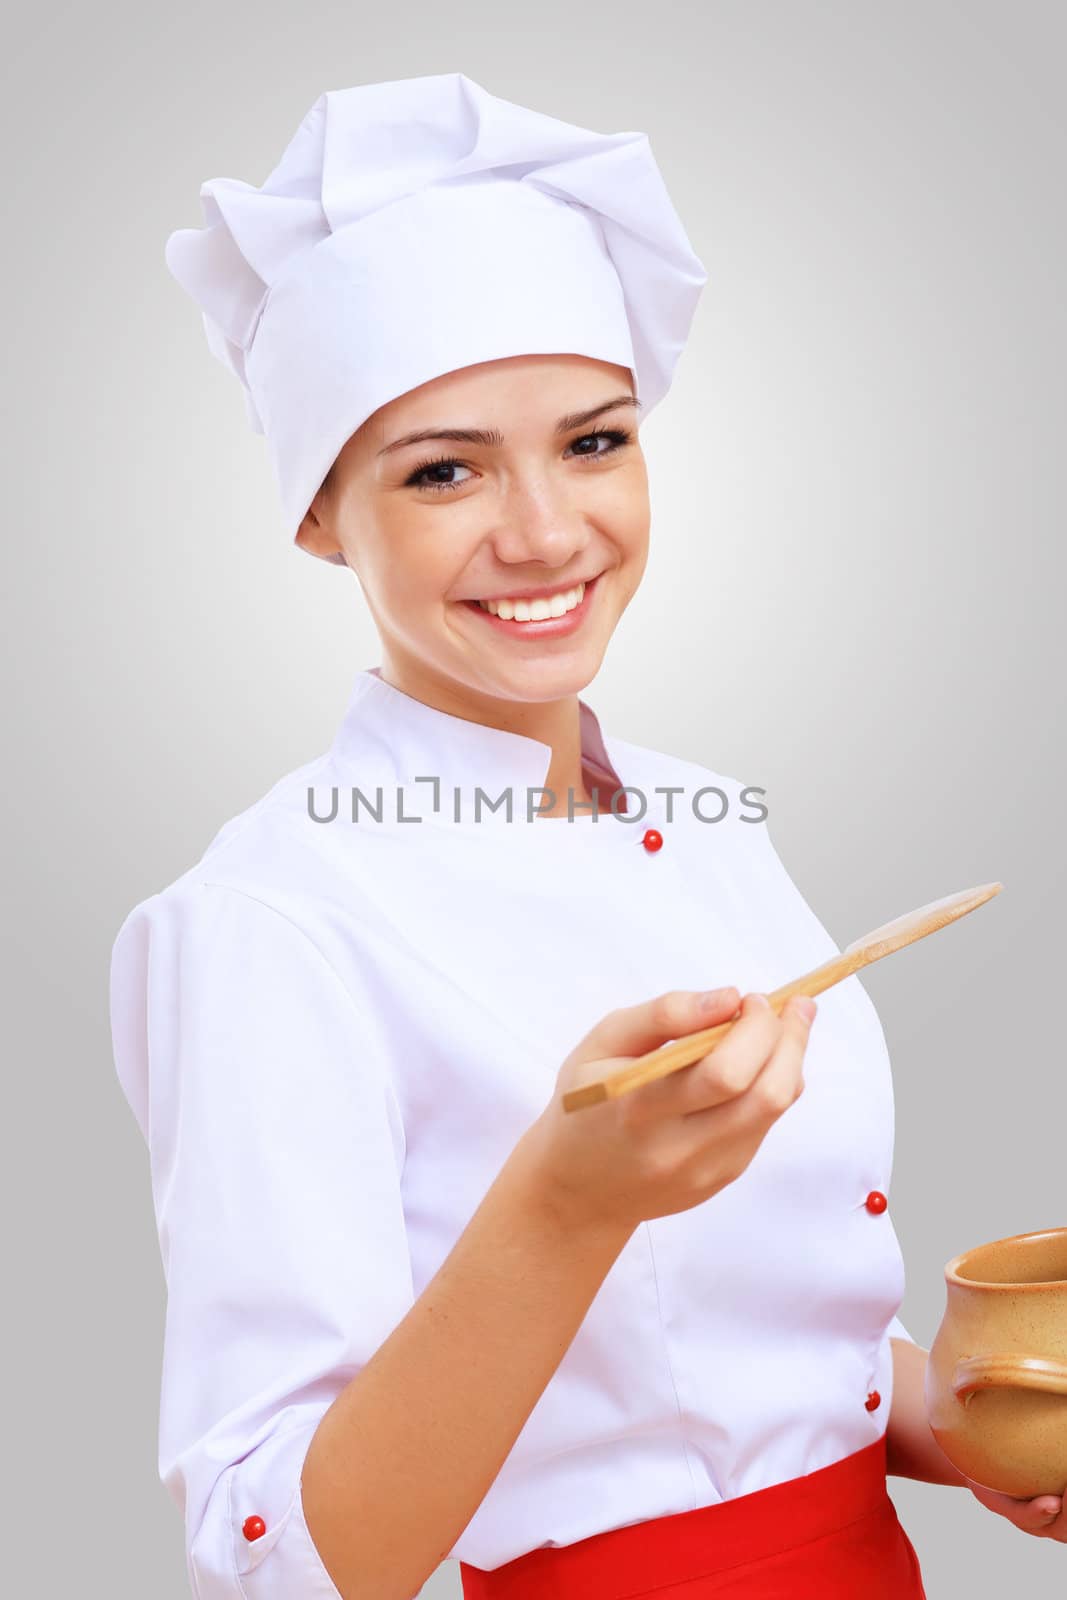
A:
{"x": 543, "y": 678}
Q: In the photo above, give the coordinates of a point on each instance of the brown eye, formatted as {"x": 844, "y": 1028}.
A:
{"x": 422, "y": 477}
{"x": 616, "y": 437}
{"x": 441, "y": 463}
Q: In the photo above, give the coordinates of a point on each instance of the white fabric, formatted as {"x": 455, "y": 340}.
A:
{"x": 418, "y": 226}
{"x": 332, "y": 1033}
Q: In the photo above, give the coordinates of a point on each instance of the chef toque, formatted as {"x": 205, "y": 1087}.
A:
{"x": 415, "y": 227}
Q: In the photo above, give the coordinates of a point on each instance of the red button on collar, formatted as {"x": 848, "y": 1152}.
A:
{"x": 873, "y": 1400}
{"x": 876, "y": 1202}
{"x": 253, "y": 1527}
{"x": 653, "y": 839}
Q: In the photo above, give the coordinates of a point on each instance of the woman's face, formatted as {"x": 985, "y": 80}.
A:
{"x": 554, "y": 495}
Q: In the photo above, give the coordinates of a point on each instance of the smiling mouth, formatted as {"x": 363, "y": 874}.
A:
{"x": 543, "y": 614}
{"x": 538, "y": 609}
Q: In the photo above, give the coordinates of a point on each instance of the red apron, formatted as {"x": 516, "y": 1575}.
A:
{"x": 830, "y": 1535}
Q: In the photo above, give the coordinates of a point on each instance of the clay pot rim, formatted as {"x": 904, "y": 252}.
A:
{"x": 953, "y": 1275}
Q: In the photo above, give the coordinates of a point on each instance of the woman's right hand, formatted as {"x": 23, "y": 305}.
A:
{"x": 670, "y": 1144}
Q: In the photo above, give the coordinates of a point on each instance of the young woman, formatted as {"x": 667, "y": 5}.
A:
{"x": 415, "y": 1309}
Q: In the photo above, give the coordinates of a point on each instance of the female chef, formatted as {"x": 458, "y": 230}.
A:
{"x": 415, "y": 1310}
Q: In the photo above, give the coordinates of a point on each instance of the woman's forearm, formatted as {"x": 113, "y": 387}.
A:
{"x": 911, "y": 1449}
{"x": 408, "y": 1450}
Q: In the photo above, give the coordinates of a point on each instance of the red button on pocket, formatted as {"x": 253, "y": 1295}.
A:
{"x": 253, "y": 1528}
{"x": 653, "y": 839}
{"x": 876, "y": 1202}
{"x": 873, "y": 1400}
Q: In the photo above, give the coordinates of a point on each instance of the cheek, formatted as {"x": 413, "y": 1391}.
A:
{"x": 416, "y": 564}
{"x": 625, "y": 510}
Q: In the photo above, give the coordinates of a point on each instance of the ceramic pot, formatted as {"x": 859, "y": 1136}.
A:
{"x": 996, "y": 1379}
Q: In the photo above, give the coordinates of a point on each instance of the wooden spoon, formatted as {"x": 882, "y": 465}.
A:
{"x": 872, "y": 947}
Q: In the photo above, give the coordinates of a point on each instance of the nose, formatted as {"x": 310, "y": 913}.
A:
{"x": 539, "y": 521}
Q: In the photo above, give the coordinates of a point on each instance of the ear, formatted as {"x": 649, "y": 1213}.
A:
{"x": 314, "y": 537}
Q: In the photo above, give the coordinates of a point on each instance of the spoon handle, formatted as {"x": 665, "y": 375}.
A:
{"x": 872, "y": 947}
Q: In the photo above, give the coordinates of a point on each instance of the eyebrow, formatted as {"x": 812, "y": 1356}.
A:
{"x": 492, "y": 437}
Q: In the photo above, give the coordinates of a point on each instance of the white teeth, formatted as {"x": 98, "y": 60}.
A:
{"x": 535, "y": 610}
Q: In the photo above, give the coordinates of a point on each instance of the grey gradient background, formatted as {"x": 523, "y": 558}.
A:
{"x": 855, "y": 598}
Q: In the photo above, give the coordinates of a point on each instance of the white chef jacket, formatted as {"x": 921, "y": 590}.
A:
{"x": 332, "y": 1032}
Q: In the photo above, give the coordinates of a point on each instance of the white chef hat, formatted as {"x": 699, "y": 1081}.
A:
{"x": 415, "y": 227}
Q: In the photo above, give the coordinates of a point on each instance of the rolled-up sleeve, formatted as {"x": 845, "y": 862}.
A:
{"x": 276, "y": 1153}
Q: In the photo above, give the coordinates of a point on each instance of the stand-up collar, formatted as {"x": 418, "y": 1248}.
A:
{"x": 389, "y": 739}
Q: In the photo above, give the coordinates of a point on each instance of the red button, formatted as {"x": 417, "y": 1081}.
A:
{"x": 873, "y": 1400}
{"x": 253, "y": 1527}
{"x": 876, "y": 1202}
{"x": 653, "y": 839}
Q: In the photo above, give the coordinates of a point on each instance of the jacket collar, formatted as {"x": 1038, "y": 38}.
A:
{"x": 389, "y": 739}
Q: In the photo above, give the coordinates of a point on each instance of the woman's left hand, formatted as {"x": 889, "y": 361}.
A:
{"x": 913, "y": 1452}
{"x": 1045, "y": 1516}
